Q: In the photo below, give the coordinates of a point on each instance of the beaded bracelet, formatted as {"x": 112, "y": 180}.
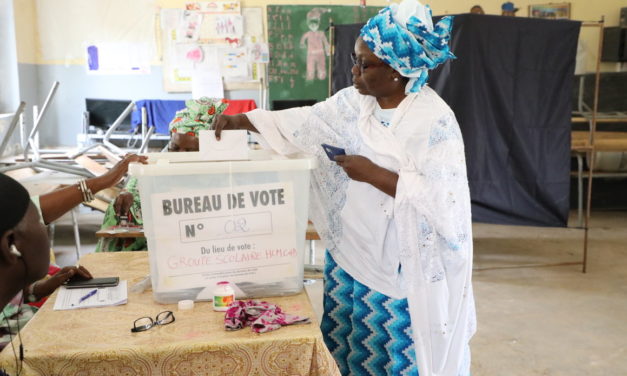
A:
{"x": 86, "y": 192}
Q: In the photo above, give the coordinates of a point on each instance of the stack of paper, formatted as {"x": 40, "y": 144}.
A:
{"x": 94, "y": 297}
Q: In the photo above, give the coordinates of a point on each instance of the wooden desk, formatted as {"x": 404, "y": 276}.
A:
{"x": 311, "y": 233}
{"x": 99, "y": 340}
{"x": 603, "y": 141}
{"x": 135, "y": 233}
{"x": 580, "y": 147}
{"x": 621, "y": 118}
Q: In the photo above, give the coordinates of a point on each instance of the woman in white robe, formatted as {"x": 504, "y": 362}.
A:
{"x": 394, "y": 212}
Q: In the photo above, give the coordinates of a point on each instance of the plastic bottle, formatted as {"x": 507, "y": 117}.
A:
{"x": 223, "y": 296}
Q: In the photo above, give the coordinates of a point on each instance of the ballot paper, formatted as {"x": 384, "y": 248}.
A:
{"x": 207, "y": 83}
{"x": 233, "y": 145}
{"x": 103, "y": 297}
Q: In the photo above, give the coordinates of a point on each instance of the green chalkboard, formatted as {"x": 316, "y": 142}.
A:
{"x": 299, "y": 41}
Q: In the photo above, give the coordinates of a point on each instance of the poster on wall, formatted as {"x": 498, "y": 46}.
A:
{"x": 552, "y": 11}
{"x": 118, "y": 58}
{"x": 243, "y": 235}
{"x": 221, "y": 21}
{"x": 189, "y": 28}
{"x": 235, "y": 63}
{"x": 258, "y": 52}
{"x": 223, "y": 29}
{"x": 207, "y": 78}
{"x": 210, "y": 7}
{"x": 206, "y": 28}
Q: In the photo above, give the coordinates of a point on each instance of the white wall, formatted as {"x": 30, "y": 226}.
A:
{"x": 44, "y": 59}
{"x": 9, "y": 83}
{"x": 9, "y": 91}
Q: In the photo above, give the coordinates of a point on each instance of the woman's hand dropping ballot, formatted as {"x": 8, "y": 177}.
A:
{"x": 227, "y": 122}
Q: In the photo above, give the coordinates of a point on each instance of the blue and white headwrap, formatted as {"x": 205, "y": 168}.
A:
{"x": 404, "y": 37}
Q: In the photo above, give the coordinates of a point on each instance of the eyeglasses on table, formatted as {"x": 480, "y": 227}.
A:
{"x": 144, "y": 323}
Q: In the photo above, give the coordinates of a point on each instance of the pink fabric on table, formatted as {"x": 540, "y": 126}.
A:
{"x": 261, "y": 316}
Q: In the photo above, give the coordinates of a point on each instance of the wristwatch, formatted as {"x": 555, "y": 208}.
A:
{"x": 31, "y": 298}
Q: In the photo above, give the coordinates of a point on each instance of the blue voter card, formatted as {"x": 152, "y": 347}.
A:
{"x": 332, "y": 151}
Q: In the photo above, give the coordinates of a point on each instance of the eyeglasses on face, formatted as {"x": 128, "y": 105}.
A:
{"x": 144, "y": 323}
{"x": 364, "y": 65}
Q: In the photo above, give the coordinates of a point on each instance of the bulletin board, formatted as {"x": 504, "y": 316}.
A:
{"x": 298, "y": 36}
{"x": 212, "y": 36}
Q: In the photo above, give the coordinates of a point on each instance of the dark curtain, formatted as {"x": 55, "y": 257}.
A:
{"x": 511, "y": 90}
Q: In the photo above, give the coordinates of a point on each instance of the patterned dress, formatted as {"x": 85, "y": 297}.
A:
{"x": 351, "y": 312}
{"x": 110, "y": 220}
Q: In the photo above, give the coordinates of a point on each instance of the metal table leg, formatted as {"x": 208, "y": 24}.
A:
{"x": 579, "y": 190}
{"x": 77, "y": 236}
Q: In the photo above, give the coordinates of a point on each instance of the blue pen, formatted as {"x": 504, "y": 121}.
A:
{"x": 89, "y": 295}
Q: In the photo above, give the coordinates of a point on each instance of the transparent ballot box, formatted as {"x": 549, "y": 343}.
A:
{"x": 237, "y": 221}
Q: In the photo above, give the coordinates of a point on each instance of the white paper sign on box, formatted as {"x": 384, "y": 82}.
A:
{"x": 242, "y": 234}
{"x": 233, "y": 145}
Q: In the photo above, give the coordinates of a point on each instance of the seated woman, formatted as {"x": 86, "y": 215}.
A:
{"x": 126, "y": 208}
{"x": 50, "y": 207}
{"x": 24, "y": 245}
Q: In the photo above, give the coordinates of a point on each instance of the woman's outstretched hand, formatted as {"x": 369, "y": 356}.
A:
{"x": 117, "y": 172}
{"x": 227, "y": 122}
{"x": 59, "y": 202}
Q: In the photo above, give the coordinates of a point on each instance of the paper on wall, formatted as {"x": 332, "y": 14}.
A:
{"x": 186, "y": 57}
{"x": 190, "y": 26}
{"x": 207, "y": 82}
{"x": 235, "y": 63}
{"x": 118, "y": 58}
{"x": 195, "y": 55}
{"x": 206, "y": 75}
{"x": 230, "y": 25}
{"x": 258, "y": 52}
{"x": 214, "y": 6}
{"x": 217, "y": 27}
{"x": 253, "y": 21}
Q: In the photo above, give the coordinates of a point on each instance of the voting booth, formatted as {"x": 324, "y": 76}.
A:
{"x": 237, "y": 221}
